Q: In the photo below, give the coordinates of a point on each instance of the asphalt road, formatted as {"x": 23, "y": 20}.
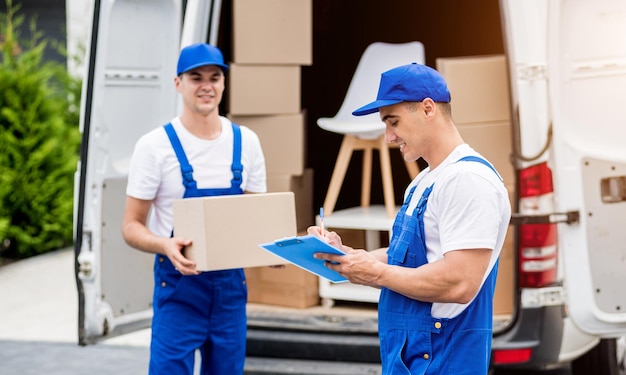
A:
{"x": 54, "y": 358}
{"x": 62, "y": 358}
{"x": 26, "y": 358}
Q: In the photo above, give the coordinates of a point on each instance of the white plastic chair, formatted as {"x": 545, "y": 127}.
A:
{"x": 367, "y": 132}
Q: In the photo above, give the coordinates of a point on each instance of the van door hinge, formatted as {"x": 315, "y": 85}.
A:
{"x": 571, "y": 217}
{"x": 532, "y": 72}
{"x": 85, "y": 258}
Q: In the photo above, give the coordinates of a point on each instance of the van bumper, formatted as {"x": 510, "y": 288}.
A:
{"x": 539, "y": 329}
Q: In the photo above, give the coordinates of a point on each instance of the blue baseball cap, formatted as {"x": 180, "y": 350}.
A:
{"x": 197, "y": 55}
{"x": 407, "y": 83}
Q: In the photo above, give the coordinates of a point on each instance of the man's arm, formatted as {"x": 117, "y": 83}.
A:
{"x": 454, "y": 279}
{"x": 137, "y": 235}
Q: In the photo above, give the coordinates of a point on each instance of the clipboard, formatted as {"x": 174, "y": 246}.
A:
{"x": 299, "y": 251}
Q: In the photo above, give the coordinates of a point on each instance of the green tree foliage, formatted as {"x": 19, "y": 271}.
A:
{"x": 39, "y": 143}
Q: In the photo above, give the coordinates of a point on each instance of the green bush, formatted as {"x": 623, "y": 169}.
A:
{"x": 39, "y": 143}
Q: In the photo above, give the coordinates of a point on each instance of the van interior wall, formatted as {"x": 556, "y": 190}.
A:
{"x": 341, "y": 32}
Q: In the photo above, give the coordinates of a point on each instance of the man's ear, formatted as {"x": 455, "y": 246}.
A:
{"x": 429, "y": 107}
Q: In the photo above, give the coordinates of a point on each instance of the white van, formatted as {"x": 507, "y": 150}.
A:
{"x": 567, "y": 78}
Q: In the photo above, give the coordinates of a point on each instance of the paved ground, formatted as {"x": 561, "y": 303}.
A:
{"x": 38, "y": 324}
{"x": 59, "y": 358}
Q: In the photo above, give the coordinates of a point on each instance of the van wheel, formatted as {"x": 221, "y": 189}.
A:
{"x": 621, "y": 354}
{"x": 601, "y": 360}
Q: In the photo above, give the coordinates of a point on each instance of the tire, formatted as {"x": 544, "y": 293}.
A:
{"x": 601, "y": 360}
{"x": 621, "y": 354}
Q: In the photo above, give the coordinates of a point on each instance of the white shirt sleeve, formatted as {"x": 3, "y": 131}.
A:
{"x": 469, "y": 215}
{"x": 145, "y": 170}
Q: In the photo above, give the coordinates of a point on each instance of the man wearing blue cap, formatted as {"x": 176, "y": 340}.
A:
{"x": 438, "y": 274}
{"x": 197, "y": 154}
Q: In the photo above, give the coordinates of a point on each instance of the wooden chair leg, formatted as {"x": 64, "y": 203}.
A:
{"x": 348, "y": 146}
{"x": 412, "y": 168}
{"x": 366, "y": 180}
{"x": 339, "y": 172}
{"x": 385, "y": 169}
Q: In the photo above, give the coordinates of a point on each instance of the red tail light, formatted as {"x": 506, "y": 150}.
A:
{"x": 535, "y": 181}
{"x": 537, "y": 242}
{"x": 501, "y": 357}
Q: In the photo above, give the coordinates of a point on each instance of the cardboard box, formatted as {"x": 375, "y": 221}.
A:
{"x": 355, "y": 238}
{"x": 493, "y": 141}
{"x": 273, "y": 32}
{"x": 302, "y": 187}
{"x": 481, "y": 110}
{"x": 226, "y": 230}
{"x": 282, "y": 139}
{"x": 503, "y": 299}
{"x": 290, "y": 286}
{"x": 264, "y": 89}
{"x": 479, "y": 86}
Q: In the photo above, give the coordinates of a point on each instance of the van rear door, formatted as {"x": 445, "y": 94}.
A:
{"x": 127, "y": 91}
{"x": 587, "y": 91}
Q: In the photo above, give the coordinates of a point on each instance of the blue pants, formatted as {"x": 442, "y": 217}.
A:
{"x": 205, "y": 312}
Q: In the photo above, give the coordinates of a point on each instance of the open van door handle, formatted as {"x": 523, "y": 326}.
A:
{"x": 571, "y": 217}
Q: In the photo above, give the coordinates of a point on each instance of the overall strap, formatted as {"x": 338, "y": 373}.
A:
{"x": 482, "y": 161}
{"x": 236, "y": 167}
{"x": 185, "y": 168}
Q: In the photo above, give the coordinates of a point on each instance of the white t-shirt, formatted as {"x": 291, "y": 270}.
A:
{"x": 468, "y": 208}
{"x": 154, "y": 172}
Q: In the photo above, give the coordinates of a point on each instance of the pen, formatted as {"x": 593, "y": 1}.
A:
{"x": 322, "y": 219}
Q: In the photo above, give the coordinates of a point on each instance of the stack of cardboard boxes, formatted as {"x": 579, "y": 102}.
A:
{"x": 481, "y": 110}
{"x": 272, "y": 40}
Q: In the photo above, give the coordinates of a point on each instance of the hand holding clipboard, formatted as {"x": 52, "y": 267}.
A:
{"x": 299, "y": 251}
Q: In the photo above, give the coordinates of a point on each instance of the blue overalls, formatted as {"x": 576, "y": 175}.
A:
{"x": 205, "y": 311}
{"x": 412, "y": 341}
